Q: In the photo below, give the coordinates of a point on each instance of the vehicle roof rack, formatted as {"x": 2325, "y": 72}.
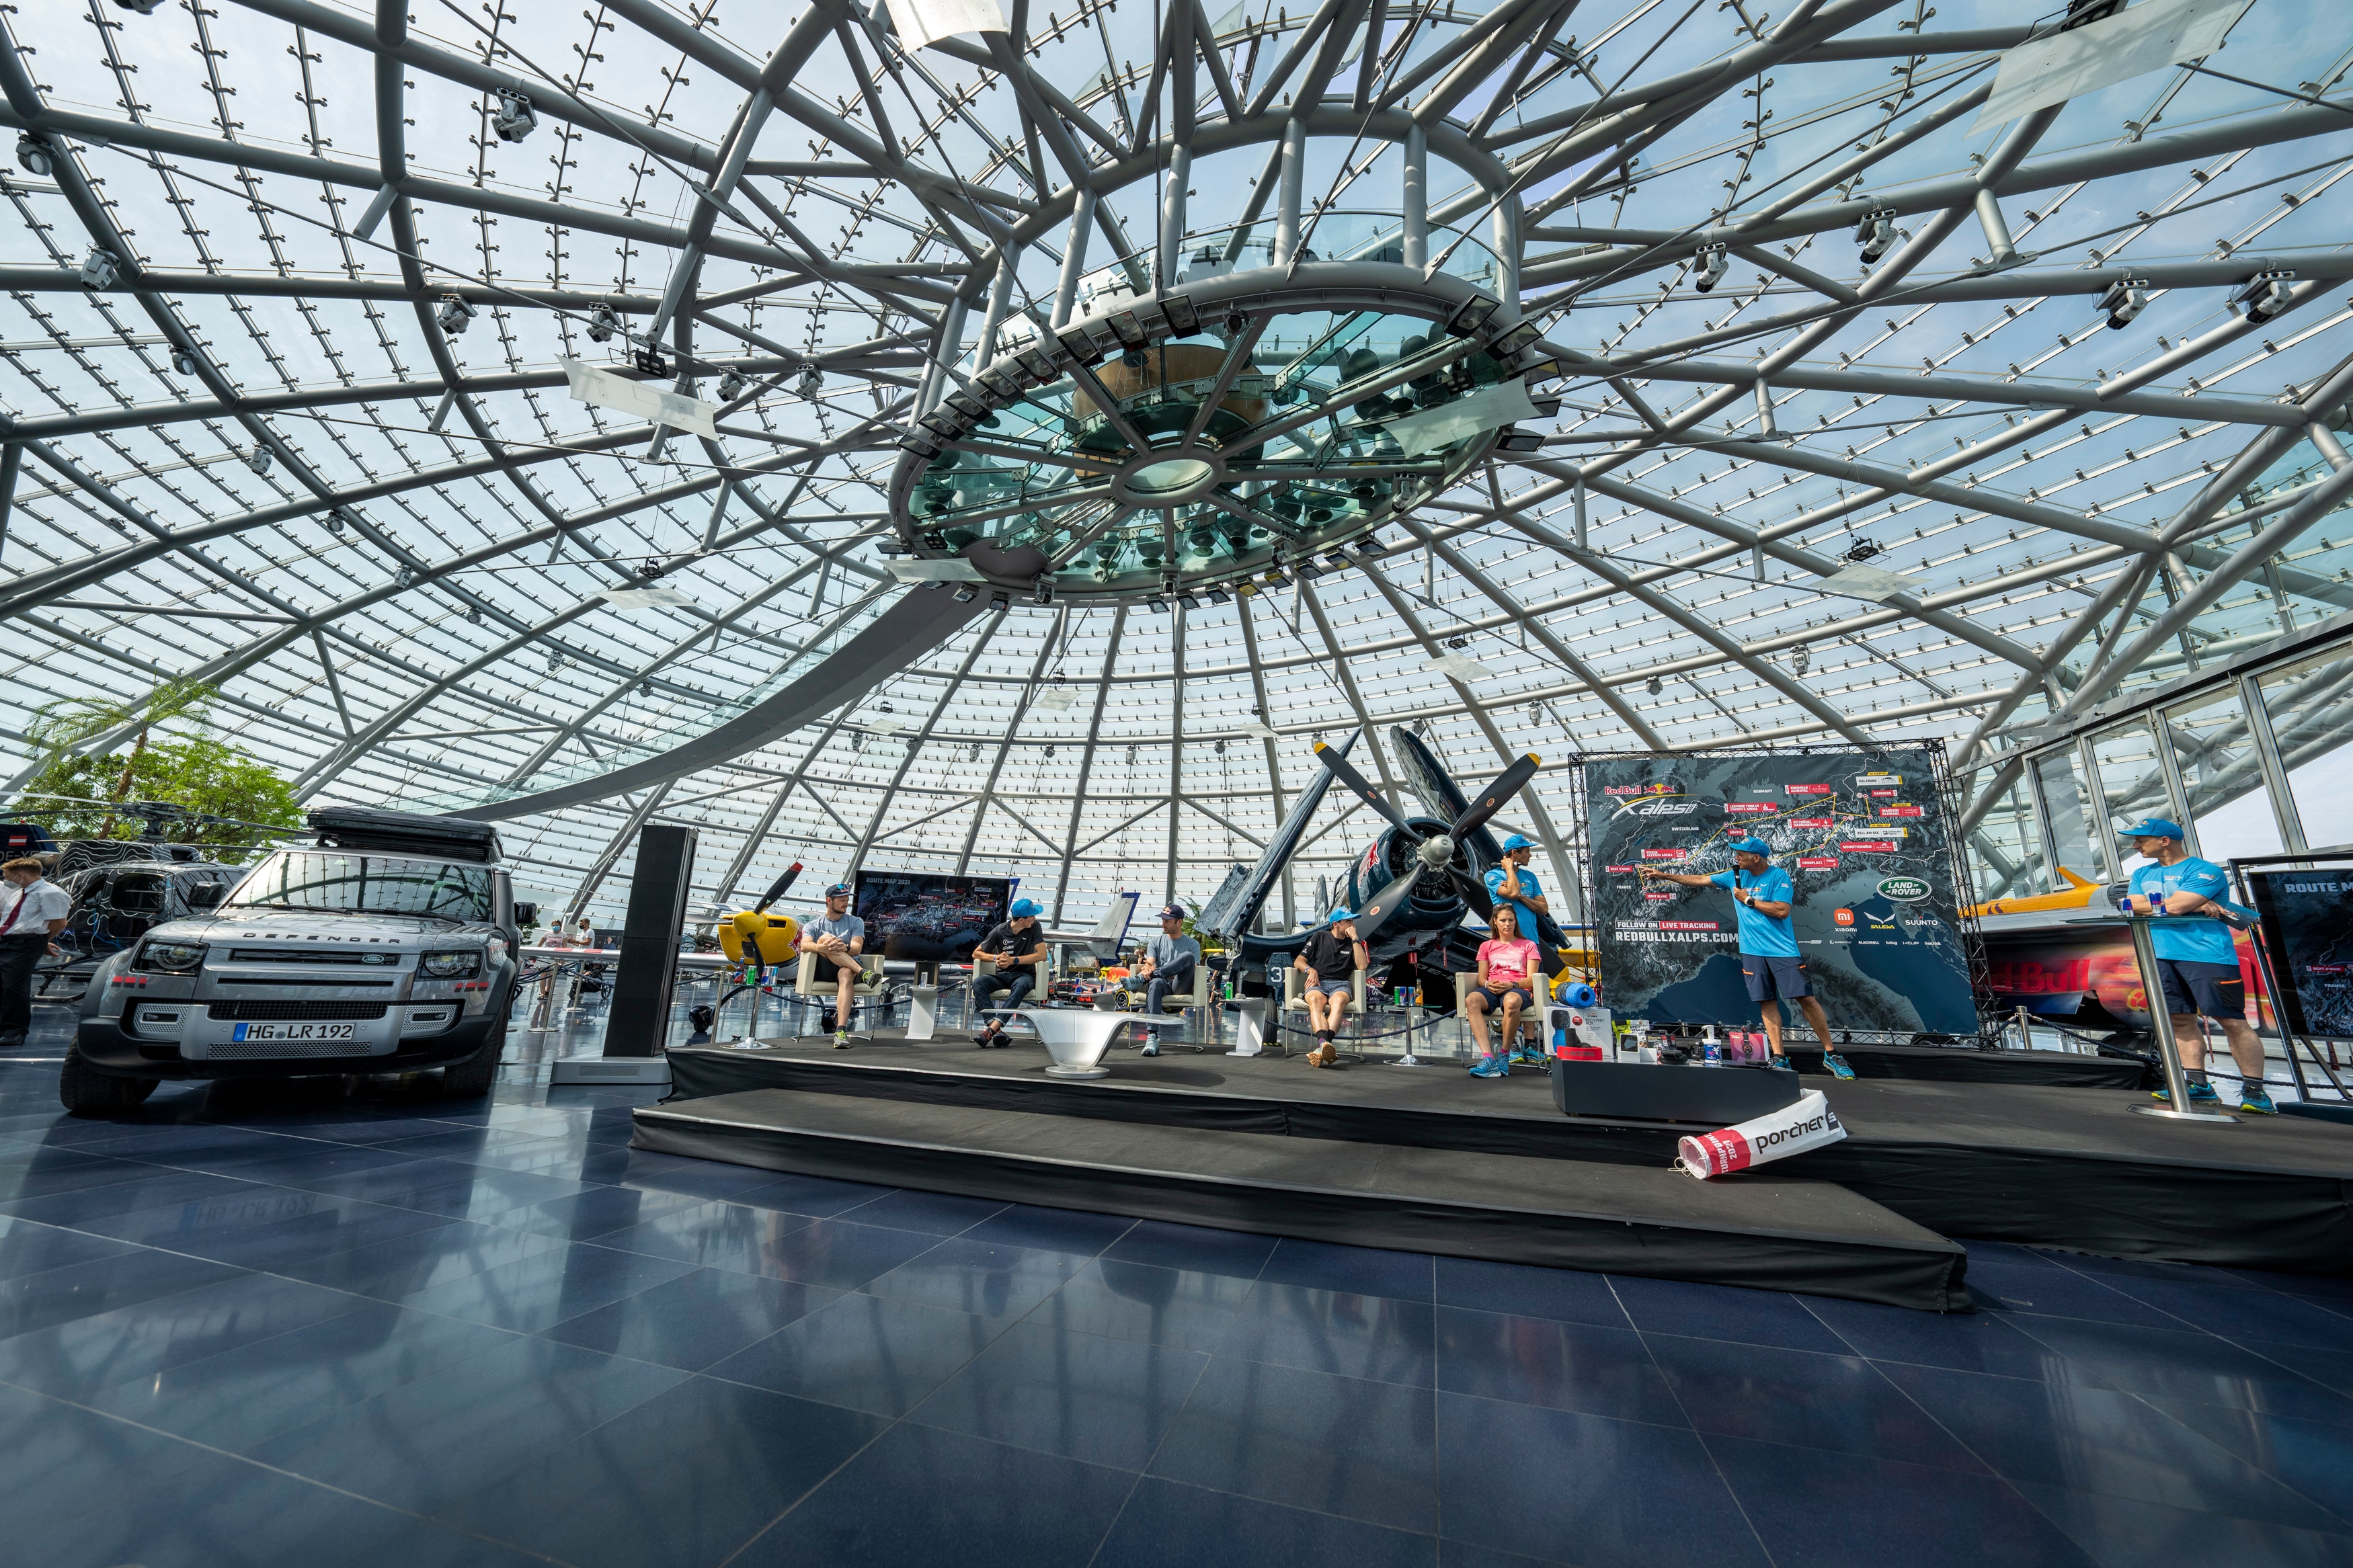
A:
{"x": 369, "y": 827}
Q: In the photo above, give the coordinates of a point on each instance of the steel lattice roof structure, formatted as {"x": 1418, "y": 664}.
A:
{"x": 290, "y": 288}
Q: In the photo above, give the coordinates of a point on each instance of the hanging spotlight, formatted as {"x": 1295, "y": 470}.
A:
{"x": 2122, "y": 302}
{"x": 732, "y": 386}
{"x": 1049, "y": 753}
{"x": 1715, "y": 262}
{"x": 454, "y": 316}
{"x": 183, "y": 361}
{"x": 144, "y": 8}
{"x": 645, "y": 688}
{"x": 405, "y": 577}
{"x": 603, "y": 322}
{"x": 2258, "y": 302}
{"x": 512, "y": 120}
{"x": 258, "y": 458}
{"x": 100, "y": 270}
{"x": 1654, "y": 686}
{"x": 648, "y": 360}
{"x": 554, "y": 661}
{"x": 34, "y": 156}
{"x": 812, "y": 381}
{"x": 1800, "y": 660}
{"x": 474, "y": 614}
{"x": 336, "y": 520}
{"x": 1876, "y": 235}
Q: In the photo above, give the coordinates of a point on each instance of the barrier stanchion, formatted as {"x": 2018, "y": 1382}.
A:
{"x": 2160, "y": 1017}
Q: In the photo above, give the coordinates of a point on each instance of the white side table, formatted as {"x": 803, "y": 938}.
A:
{"x": 1077, "y": 1037}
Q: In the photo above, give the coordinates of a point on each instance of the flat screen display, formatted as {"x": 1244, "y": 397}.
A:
{"x": 1864, "y": 837}
{"x": 926, "y": 917}
{"x": 2308, "y": 926}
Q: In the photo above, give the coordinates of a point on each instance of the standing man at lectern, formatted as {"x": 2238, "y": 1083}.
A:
{"x": 1762, "y": 893}
{"x": 2197, "y": 962}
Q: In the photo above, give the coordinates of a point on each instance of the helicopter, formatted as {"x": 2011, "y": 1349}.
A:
{"x": 1410, "y": 888}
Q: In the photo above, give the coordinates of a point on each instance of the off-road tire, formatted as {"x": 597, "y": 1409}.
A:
{"x": 86, "y": 1091}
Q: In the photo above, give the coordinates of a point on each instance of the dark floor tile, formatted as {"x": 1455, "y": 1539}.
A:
{"x": 98, "y": 1183}
{"x": 483, "y": 1193}
{"x": 593, "y": 1213}
{"x": 147, "y": 1338}
{"x": 1362, "y": 1271}
{"x": 1107, "y": 1401}
{"x": 2184, "y": 1363}
{"x": 668, "y": 1172}
{"x": 101, "y": 1285}
{"x": 934, "y": 1214}
{"x": 1139, "y": 1302}
{"x": 1052, "y": 1230}
{"x": 2061, "y": 1293}
{"x": 868, "y": 1353}
{"x": 300, "y": 1167}
{"x": 1724, "y": 1313}
{"x": 423, "y": 1445}
{"x": 429, "y": 1545}
{"x": 240, "y": 1397}
{"x": 29, "y": 1248}
{"x": 1964, "y": 1342}
{"x": 65, "y": 1460}
{"x": 391, "y": 1270}
{"x": 829, "y": 1252}
{"x": 1804, "y": 1399}
{"x": 1167, "y": 1525}
{"x": 536, "y": 1293}
{"x": 1195, "y": 1248}
{"x": 1462, "y": 1554}
{"x": 1308, "y": 1439}
{"x": 967, "y": 1275}
{"x": 2236, "y": 1312}
{"x": 410, "y": 1185}
{"x": 2098, "y": 1440}
{"x": 1524, "y": 1291}
{"x": 2118, "y": 1534}
{"x": 690, "y": 1476}
{"x": 695, "y": 1319}
{"x": 813, "y": 1196}
{"x": 1005, "y": 1508}
{"x": 716, "y": 1235}
{"x": 220, "y": 1512}
{"x": 1603, "y": 1493}
{"x": 2314, "y": 1458}
{"x": 1562, "y": 1366}
{"x": 265, "y": 1227}
{"x": 1336, "y": 1332}
{"x": 1809, "y": 1508}
{"x": 2331, "y": 1369}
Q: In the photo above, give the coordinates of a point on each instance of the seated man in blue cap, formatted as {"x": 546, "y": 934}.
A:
{"x": 1015, "y": 947}
{"x": 1166, "y": 968}
{"x": 1768, "y": 942}
{"x": 837, "y": 937}
{"x": 1330, "y": 959}
{"x": 2197, "y": 962}
{"x": 1512, "y": 883}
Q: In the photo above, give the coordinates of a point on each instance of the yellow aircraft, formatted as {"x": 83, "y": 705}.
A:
{"x": 758, "y": 936}
{"x": 2075, "y": 895}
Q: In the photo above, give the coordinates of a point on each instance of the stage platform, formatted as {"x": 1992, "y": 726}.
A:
{"x": 1207, "y": 1139}
{"x": 1945, "y": 1064}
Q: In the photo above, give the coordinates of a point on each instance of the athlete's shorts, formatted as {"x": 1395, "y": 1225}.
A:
{"x": 1344, "y": 990}
{"x": 1771, "y": 978}
{"x": 1495, "y": 994}
{"x": 2216, "y": 990}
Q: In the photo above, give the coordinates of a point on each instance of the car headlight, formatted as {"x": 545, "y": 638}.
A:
{"x": 170, "y": 957}
{"x": 451, "y": 965}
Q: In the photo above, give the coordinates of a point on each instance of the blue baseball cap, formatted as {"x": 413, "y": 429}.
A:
{"x": 838, "y": 890}
{"x": 1172, "y": 913}
{"x": 2155, "y": 828}
{"x": 1751, "y": 847}
{"x": 1518, "y": 841}
{"x": 1336, "y": 916}
{"x": 1023, "y": 909}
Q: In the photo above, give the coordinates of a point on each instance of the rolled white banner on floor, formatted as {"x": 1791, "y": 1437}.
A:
{"x": 1808, "y": 1123}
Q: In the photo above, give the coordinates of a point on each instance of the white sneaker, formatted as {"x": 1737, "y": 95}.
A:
{"x": 1152, "y": 1048}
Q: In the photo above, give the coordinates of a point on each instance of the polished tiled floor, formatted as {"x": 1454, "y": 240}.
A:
{"x": 293, "y": 1324}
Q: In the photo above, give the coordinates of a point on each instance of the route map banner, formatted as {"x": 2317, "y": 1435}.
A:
{"x": 2308, "y": 927}
{"x": 1864, "y": 839}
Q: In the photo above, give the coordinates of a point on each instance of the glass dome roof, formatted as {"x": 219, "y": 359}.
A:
{"x": 489, "y": 399}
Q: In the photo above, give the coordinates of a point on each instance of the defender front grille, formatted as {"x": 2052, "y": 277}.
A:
{"x": 226, "y": 1049}
{"x": 261, "y": 1012}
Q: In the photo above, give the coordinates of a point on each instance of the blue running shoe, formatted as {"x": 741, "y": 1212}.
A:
{"x": 2201, "y": 1094}
{"x": 1835, "y": 1065}
{"x": 2255, "y": 1098}
{"x": 1490, "y": 1066}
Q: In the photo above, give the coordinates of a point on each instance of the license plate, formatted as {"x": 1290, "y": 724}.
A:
{"x": 294, "y": 1032}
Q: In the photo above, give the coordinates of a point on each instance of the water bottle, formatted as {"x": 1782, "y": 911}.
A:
{"x": 1714, "y": 1050}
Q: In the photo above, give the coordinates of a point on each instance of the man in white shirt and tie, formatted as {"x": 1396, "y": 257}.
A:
{"x": 32, "y": 912}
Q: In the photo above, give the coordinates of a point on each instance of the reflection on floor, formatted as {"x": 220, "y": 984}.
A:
{"x": 307, "y": 1325}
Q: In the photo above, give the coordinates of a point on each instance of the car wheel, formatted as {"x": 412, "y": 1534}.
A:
{"x": 473, "y": 1077}
{"x": 86, "y": 1091}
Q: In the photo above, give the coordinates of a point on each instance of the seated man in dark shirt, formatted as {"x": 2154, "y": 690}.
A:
{"x": 1014, "y": 947}
{"x": 1331, "y": 960}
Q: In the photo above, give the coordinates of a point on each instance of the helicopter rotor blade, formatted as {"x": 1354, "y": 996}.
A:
{"x": 1343, "y": 770}
{"x": 1496, "y": 795}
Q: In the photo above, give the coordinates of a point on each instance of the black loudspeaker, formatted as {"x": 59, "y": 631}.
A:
{"x": 639, "y": 1023}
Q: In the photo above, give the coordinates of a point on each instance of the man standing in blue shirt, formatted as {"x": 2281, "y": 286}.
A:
{"x": 1769, "y": 943}
{"x": 2197, "y": 962}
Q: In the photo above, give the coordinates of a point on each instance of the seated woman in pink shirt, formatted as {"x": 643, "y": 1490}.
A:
{"x": 1507, "y": 968}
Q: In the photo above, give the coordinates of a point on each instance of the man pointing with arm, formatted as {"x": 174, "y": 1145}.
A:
{"x": 1768, "y": 942}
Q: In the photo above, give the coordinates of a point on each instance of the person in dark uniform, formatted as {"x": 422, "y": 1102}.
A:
{"x": 1015, "y": 947}
{"x": 34, "y": 912}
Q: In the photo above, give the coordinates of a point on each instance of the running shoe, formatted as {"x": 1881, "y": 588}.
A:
{"x": 1152, "y": 1048}
{"x": 1782, "y": 1063}
{"x": 1490, "y": 1066}
{"x": 2254, "y": 1098}
{"x": 1835, "y": 1065}
{"x": 2199, "y": 1094}
{"x": 841, "y": 1039}
{"x": 1528, "y": 1055}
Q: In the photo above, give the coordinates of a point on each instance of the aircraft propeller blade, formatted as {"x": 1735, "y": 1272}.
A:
{"x": 1384, "y": 904}
{"x": 777, "y": 888}
{"x": 1496, "y": 795}
{"x": 1345, "y": 772}
{"x": 1474, "y": 893}
{"x": 1242, "y": 915}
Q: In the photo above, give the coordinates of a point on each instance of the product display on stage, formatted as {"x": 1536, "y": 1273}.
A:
{"x": 1864, "y": 839}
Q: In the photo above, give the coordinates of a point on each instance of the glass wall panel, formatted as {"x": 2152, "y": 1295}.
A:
{"x": 2065, "y": 814}
{"x": 2129, "y": 777}
{"x": 2311, "y": 706}
{"x": 2005, "y": 851}
{"x": 2229, "y": 807}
